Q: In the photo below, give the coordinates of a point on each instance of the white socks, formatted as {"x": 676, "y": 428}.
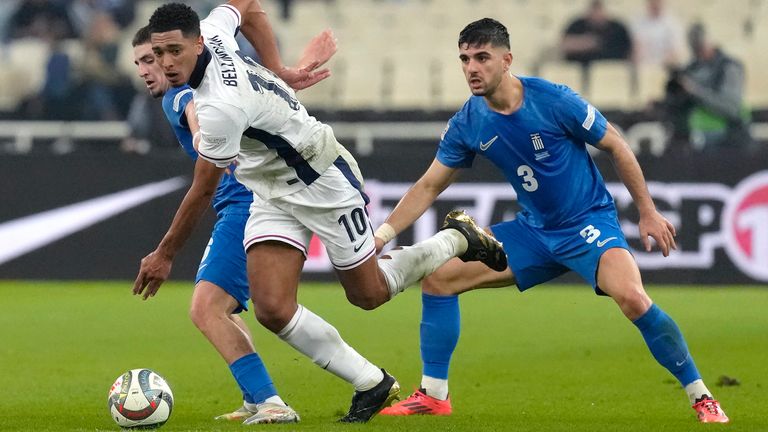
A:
{"x": 412, "y": 263}
{"x": 277, "y": 400}
{"x": 321, "y": 342}
{"x": 696, "y": 390}
{"x": 435, "y": 387}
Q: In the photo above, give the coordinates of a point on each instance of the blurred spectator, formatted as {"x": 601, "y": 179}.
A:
{"x": 56, "y": 99}
{"x": 39, "y": 19}
{"x": 106, "y": 90}
{"x": 83, "y": 12}
{"x": 148, "y": 127}
{"x": 285, "y": 9}
{"x": 8, "y": 9}
{"x": 705, "y": 99}
{"x": 596, "y": 36}
{"x": 657, "y": 37}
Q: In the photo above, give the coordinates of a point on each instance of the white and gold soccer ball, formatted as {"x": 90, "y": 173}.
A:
{"x": 140, "y": 398}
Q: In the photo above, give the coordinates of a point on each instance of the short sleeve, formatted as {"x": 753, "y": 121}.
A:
{"x": 221, "y": 129}
{"x": 579, "y": 118}
{"x": 226, "y": 18}
{"x": 180, "y": 102}
{"x": 452, "y": 152}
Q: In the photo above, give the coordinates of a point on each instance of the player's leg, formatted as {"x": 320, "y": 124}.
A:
{"x": 221, "y": 291}
{"x": 440, "y": 320}
{"x": 333, "y": 207}
{"x": 276, "y": 248}
{"x": 619, "y": 277}
{"x": 440, "y": 329}
{"x": 211, "y": 312}
{"x": 373, "y": 282}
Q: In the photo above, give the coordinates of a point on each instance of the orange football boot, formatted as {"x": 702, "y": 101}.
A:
{"x": 419, "y": 403}
{"x": 708, "y": 410}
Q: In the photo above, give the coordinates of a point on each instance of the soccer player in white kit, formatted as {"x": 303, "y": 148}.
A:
{"x": 304, "y": 182}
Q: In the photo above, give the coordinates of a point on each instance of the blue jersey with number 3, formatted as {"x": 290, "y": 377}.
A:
{"x": 540, "y": 149}
{"x": 230, "y": 191}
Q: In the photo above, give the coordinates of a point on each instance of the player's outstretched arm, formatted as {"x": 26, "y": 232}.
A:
{"x": 318, "y": 51}
{"x": 415, "y": 202}
{"x": 651, "y": 223}
{"x": 156, "y": 267}
{"x": 256, "y": 27}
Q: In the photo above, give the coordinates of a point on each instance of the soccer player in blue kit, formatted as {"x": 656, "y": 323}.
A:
{"x": 221, "y": 285}
{"x": 535, "y": 132}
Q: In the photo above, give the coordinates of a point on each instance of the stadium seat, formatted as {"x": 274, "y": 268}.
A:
{"x": 610, "y": 85}
{"x": 362, "y": 82}
{"x": 453, "y": 90}
{"x": 30, "y": 56}
{"x": 412, "y": 86}
{"x": 325, "y": 94}
{"x": 11, "y": 93}
{"x": 756, "y": 83}
{"x": 651, "y": 83}
{"x": 567, "y": 73}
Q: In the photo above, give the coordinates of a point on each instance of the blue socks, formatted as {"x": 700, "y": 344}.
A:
{"x": 440, "y": 329}
{"x": 252, "y": 377}
{"x": 667, "y": 345}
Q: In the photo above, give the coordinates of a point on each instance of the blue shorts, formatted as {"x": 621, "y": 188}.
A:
{"x": 224, "y": 259}
{"x": 538, "y": 255}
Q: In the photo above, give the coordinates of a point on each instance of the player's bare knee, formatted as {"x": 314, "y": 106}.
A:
{"x": 634, "y": 302}
{"x": 273, "y": 319}
{"x": 437, "y": 284}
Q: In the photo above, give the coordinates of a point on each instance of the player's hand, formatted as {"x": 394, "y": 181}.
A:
{"x": 319, "y": 50}
{"x": 301, "y": 78}
{"x": 155, "y": 269}
{"x": 654, "y": 225}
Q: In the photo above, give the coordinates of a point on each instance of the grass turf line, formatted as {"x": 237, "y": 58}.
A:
{"x": 554, "y": 358}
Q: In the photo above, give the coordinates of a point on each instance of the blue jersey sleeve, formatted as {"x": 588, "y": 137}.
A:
{"x": 174, "y": 104}
{"x": 452, "y": 150}
{"x": 579, "y": 118}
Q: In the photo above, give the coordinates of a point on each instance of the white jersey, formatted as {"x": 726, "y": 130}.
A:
{"x": 248, "y": 114}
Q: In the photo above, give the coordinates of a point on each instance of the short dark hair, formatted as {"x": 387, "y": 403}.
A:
{"x": 142, "y": 36}
{"x": 483, "y": 31}
{"x": 175, "y": 16}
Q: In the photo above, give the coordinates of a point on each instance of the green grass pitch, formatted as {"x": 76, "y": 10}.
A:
{"x": 556, "y": 358}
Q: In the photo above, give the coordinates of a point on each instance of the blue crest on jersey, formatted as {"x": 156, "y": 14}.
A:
{"x": 540, "y": 149}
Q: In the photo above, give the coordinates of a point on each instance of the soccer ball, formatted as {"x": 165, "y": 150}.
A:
{"x": 140, "y": 398}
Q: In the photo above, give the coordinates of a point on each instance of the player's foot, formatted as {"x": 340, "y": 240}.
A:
{"x": 239, "y": 414}
{"x": 272, "y": 413}
{"x": 708, "y": 410}
{"x": 365, "y": 404}
{"x": 480, "y": 245}
{"x": 419, "y": 403}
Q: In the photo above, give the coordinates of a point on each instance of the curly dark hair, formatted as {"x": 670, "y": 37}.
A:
{"x": 175, "y": 16}
{"x": 483, "y": 31}
{"x": 142, "y": 36}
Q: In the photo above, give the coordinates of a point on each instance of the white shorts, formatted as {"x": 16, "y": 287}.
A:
{"x": 331, "y": 207}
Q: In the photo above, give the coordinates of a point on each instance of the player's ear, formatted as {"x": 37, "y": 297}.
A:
{"x": 507, "y": 60}
{"x": 199, "y": 45}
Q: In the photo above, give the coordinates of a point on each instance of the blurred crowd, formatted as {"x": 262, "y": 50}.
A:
{"x": 704, "y": 103}
{"x": 102, "y": 90}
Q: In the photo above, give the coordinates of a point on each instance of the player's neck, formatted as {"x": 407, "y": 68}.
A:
{"x": 508, "y": 96}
